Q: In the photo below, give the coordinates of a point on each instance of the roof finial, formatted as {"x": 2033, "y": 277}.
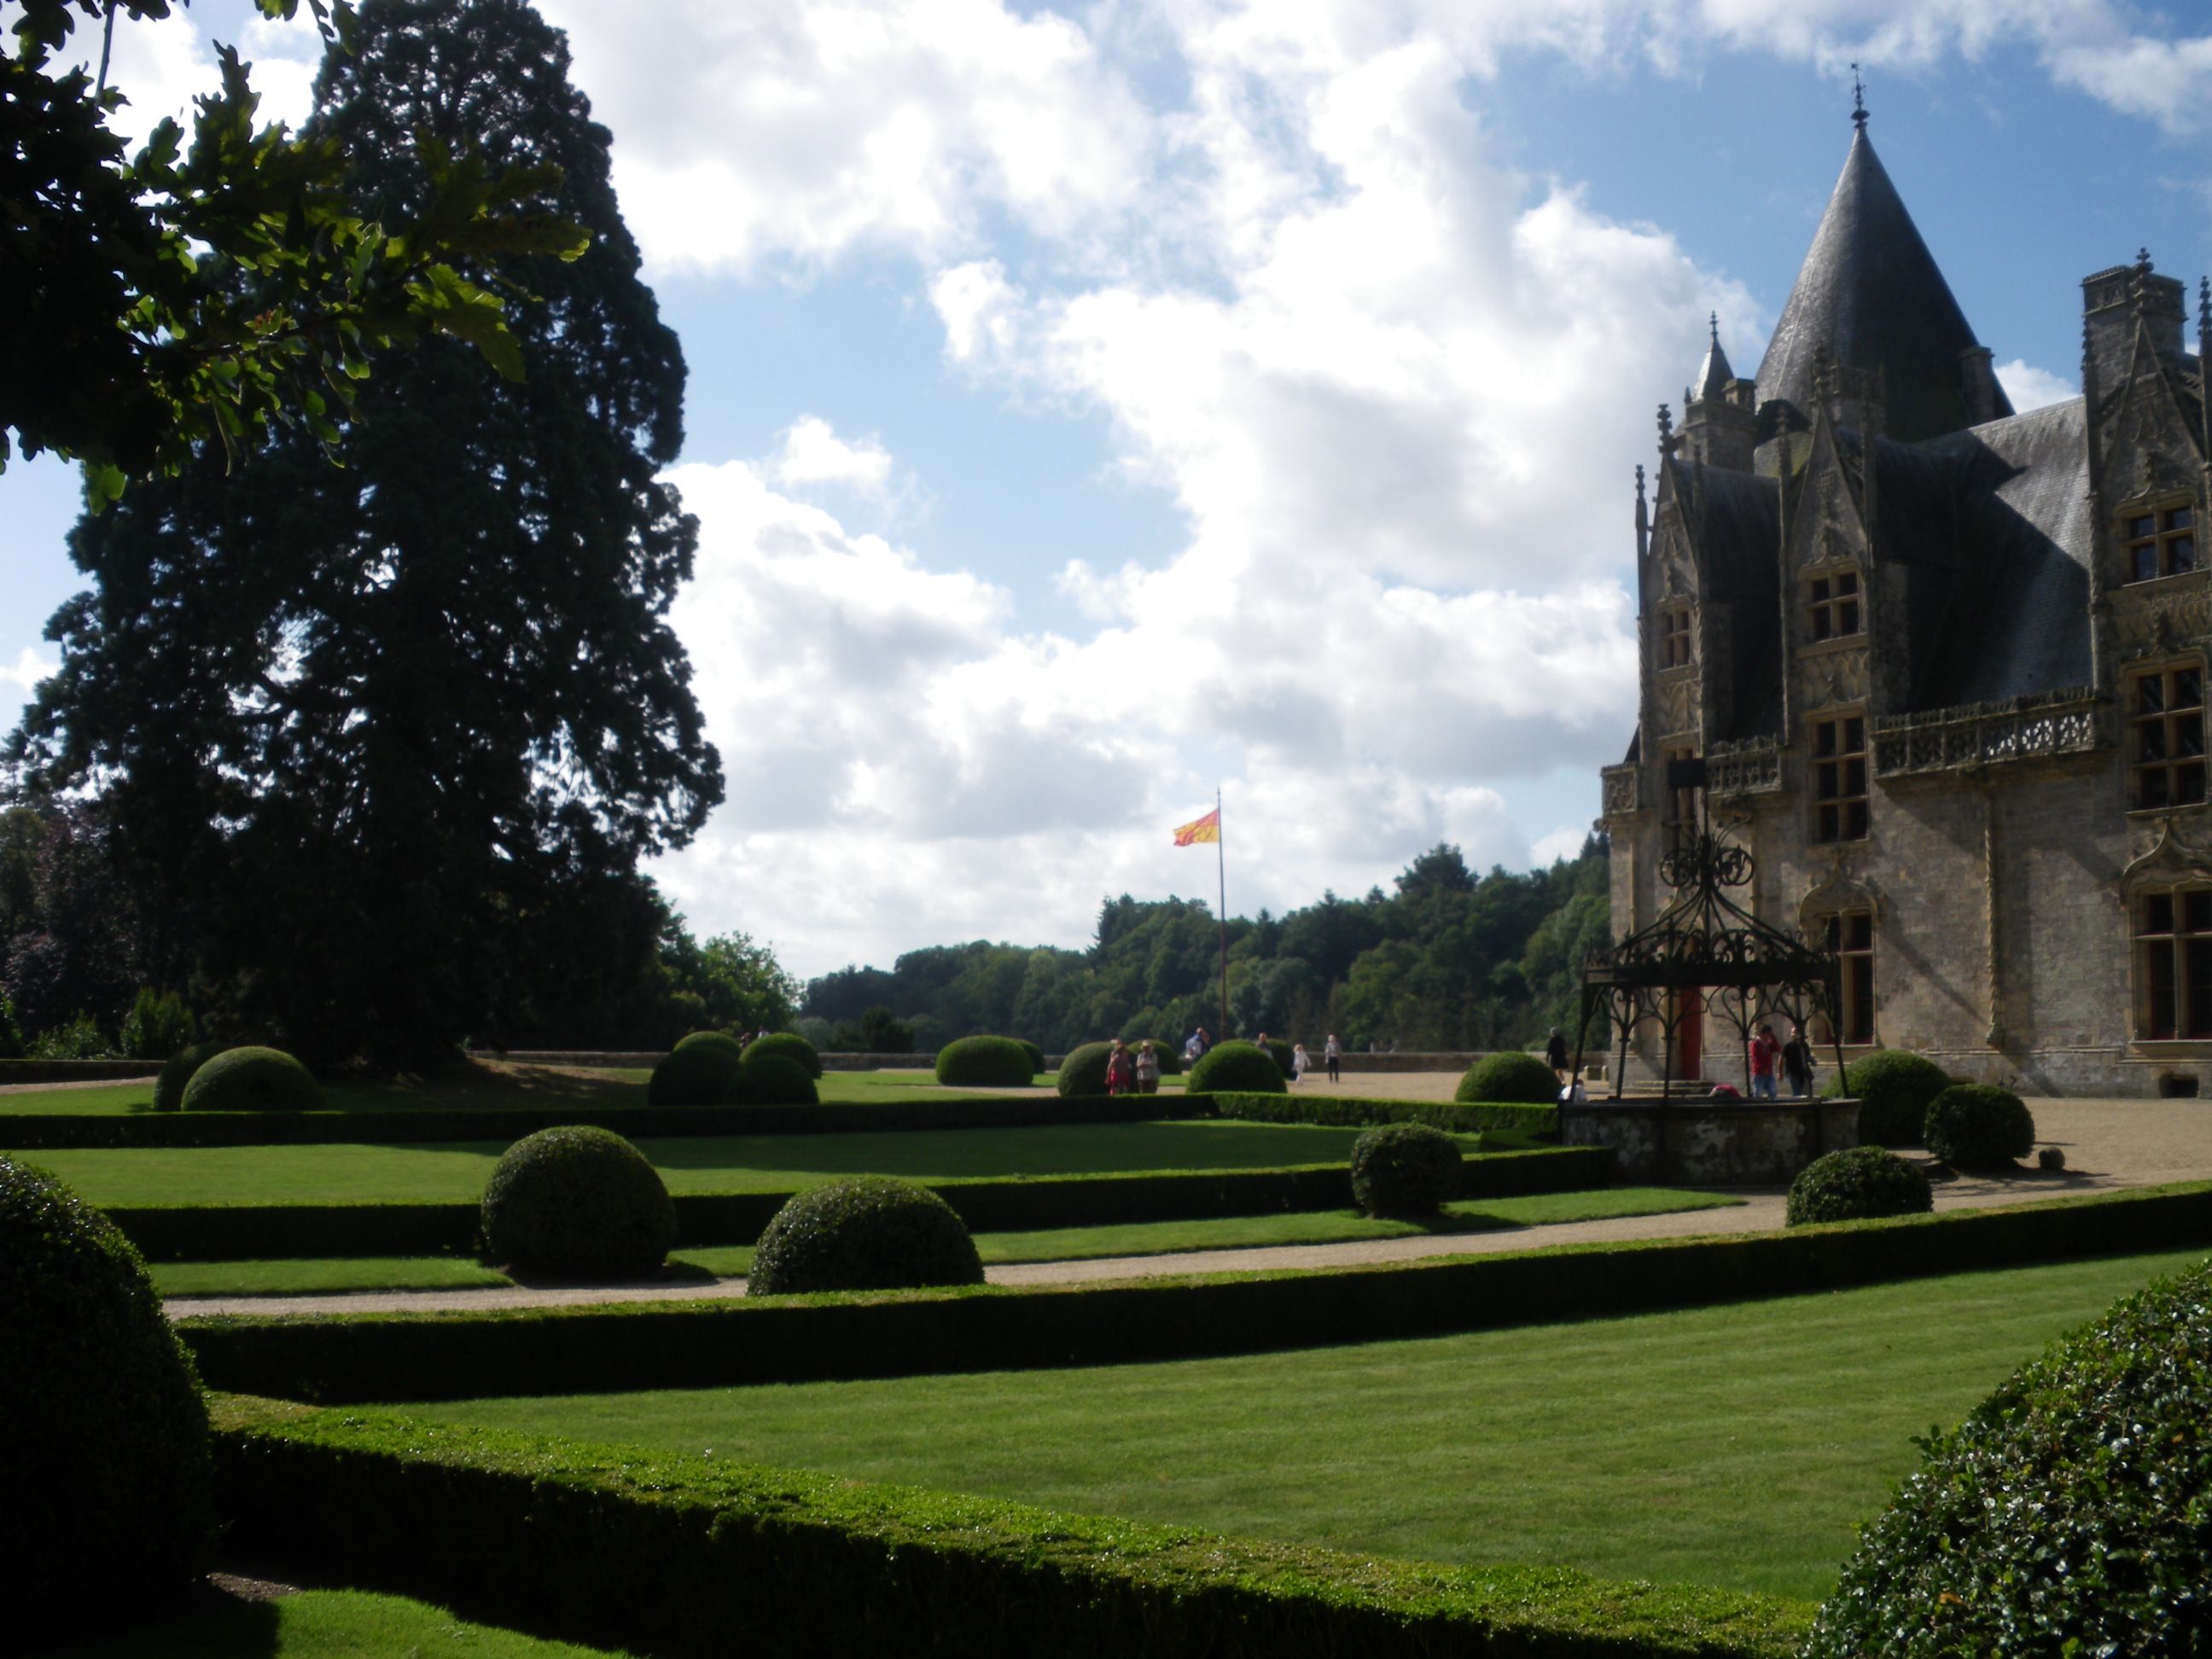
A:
{"x": 1858, "y": 101}
{"x": 2203, "y": 314}
{"x": 1713, "y": 325}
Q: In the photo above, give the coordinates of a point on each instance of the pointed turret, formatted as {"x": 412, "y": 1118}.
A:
{"x": 1871, "y": 293}
{"x": 1714, "y": 374}
{"x": 1717, "y": 425}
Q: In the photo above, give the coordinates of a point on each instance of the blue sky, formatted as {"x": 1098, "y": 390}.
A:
{"x": 1090, "y": 408}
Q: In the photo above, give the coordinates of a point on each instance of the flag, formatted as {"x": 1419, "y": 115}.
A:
{"x": 1198, "y": 830}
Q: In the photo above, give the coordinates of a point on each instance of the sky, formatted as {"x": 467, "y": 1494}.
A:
{"x": 1094, "y": 407}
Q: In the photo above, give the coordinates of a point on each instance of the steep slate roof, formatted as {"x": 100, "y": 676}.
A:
{"x": 1739, "y": 531}
{"x": 1714, "y": 374}
{"x": 1869, "y": 292}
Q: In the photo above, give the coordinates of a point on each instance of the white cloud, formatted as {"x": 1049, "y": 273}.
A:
{"x": 2029, "y": 387}
{"x": 811, "y": 453}
{"x": 30, "y": 665}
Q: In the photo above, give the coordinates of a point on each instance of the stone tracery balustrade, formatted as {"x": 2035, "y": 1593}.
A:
{"x": 1988, "y": 733}
{"x": 1750, "y": 766}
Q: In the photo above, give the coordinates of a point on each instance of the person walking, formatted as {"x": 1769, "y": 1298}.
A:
{"x": 1766, "y": 1052}
{"x": 1148, "y": 1069}
{"x": 1301, "y": 1062}
{"x": 1121, "y": 1070}
{"x": 1556, "y": 1055}
{"x": 1797, "y": 1062}
{"x": 1332, "y": 1052}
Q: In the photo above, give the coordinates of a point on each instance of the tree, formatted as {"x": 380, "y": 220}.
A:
{"x": 355, "y": 724}
{"x": 192, "y": 295}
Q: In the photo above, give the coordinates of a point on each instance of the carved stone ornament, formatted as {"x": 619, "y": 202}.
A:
{"x": 2154, "y": 626}
{"x": 2173, "y": 858}
{"x": 1677, "y": 706}
{"x": 1839, "y": 888}
{"x": 1675, "y": 580}
{"x": 1838, "y": 678}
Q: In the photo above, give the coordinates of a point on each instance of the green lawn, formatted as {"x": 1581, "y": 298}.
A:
{"x": 315, "y": 1625}
{"x": 455, "y": 1172}
{"x": 313, "y": 1277}
{"x": 1736, "y": 1446}
{"x": 523, "y": 1087}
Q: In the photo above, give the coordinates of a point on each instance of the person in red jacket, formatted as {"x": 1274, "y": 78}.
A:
{"x": 1765, "y": 1055}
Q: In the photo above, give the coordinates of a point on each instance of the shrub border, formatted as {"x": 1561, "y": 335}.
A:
{"x": 1001, "y": 1204}
{"x": 813, "y": 1339}
{"x": 1355, "y": 1110}
{"x": 681, "y": 1555}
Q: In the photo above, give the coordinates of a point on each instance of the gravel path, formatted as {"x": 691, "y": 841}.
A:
{"x": 2109, "y": 1144}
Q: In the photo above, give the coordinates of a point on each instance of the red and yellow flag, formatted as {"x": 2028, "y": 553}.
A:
{"x": 1198, "y": 830}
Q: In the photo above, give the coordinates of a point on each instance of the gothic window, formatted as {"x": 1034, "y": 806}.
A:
{"x": 2173, "y": 963}
{"x": 1674, "y": 651}
{"x": 2160, "y": 539}
{"x": 1832, "y": 606}
{"x": 1851, "y": 936}
{"x": 1680, "y": 826}
{"x": 2165, "y": 736}
{"x": 1839, "y": 779}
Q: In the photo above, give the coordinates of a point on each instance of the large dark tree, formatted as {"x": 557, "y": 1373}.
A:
{"x": 366, "y": 729}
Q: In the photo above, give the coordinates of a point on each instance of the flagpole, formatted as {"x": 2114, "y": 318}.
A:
{"x": 1221, "y": 860}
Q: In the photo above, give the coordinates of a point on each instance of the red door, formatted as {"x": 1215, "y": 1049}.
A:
{"x": 1690, "y": 1035}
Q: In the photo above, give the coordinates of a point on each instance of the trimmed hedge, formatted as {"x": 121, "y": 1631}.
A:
{"x": 179, "y": 1069}
{"x": 1893, "y": 1087}
{"x": 251, "y": 1080}
{"x": 791, "y": 1046}
{"x": 1978, "y": 1125}
{"x": 1353, "y": 1110}
{"x": 1236, "y": 1068}
{"x": 1082, "y": 1071}
{"x": 720, "y": 1040}
{"x": 868, "y": 1233}
{"x": 986, "y": 1062}
{"x": 2066, "y": 1513}
{"x": 1858, "y": 1184}
{"x": 1035, "y": 1054}
{"x": 583, "y": 1203}
{"x": 1509, "y": 1078}
{"x": 1403, "y": 1169}
{"x": 1003, "y": 1204}
{"x": 703, "y": 1074}
{"x": 721, "y": 1344}
{"x": 671, "y": 1554}
{"x": 107, "y": 1497}
{"x": 773, "y": 1079}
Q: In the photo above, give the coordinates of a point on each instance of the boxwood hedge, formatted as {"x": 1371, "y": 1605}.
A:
{"x": 1856, "y": 1184}
{"x": 791, "y": 1046}
{"x": 985, "y": 1062}
{"x": 1893, "y": 1087}
{"x": 1403, "y": 1169}
{"x": 1978, "y": 1125}
{"x": 1509, "y": 1077}
{"x": 867, "y": 1233}
{"x": 178, "y": 1070}
{"x": 251, "y": 1080}
{"x": 1235, "y": 1067}
{"x": 579, "y": 1202}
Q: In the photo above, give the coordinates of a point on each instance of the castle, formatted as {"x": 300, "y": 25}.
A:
{"x": 1945, "y": 665}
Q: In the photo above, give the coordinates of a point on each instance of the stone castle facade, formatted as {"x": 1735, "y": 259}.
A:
{"x": 1945, "y": 665}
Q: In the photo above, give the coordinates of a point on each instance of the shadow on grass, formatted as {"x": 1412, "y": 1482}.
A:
{"x": 207, "y": 1623}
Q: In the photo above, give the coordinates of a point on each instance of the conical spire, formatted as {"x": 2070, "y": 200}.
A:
{"x": 1714, "y": 374}
{"x": 1871, "y": 293}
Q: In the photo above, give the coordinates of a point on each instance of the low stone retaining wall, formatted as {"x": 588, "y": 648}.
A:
{"x": 1712, "y": 1143}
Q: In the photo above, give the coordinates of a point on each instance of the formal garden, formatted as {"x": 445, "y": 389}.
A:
{"x": 736, "y": 1364}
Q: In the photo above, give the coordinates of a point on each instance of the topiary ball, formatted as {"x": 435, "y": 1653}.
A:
{"x": 1893, "y": 1087}
{"x": 252, "y": 1080}
{"x": 1405, "y": 1169}
{"x": 580, "y": 1202}
{"x": 1082, "y": 1071}
{"x": 1035, "y": 1054}
{"x": 869, "y": 1233}
{"x": 791, "y": 1046}
{"x": 1508, "y": 1078}
{"x": 721, "y": 1040}
{"x": 2066, "y": 1514}
{"x": 106, "y": 1491}
{"x": 985, "y": 1062}
{"x": 1171, "y": 1055}
{"x": 774, "y": 1080}
{"x": 704, "y": 1074}
{"x": 1856, "y": 1184}
{"x": 1978, "y": 1125}
{"x": 1236, "y": 1068}
{"x": 169, "y": 1087}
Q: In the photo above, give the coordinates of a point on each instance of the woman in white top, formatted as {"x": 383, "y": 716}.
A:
{"x": 1299, "y": 1061}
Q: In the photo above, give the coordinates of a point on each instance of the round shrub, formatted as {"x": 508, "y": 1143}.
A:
{"x": 869, "y": 1233}
{"x": 169, "y": 1087}
{"x": 704, "y": 1074}
{"x": 580, "y": 1202}
{"x": 1893, "y": 1087}
{"x": 721, "y": 1040}
{"x": 1856, "y": 1184}
{"x": 1035, "y": 1054}
{"x": 252, "y": 1080}
{"x": 1082, "y": 1071}
{"x": 1405, "y": 1169}
{"x": 1978, "y": 1125}
{"x": 1509, "y": 1078}
{"x": 774, "y": 1080}
{"x": 106, "y": 1492}
{"x": 985, "y": 1062}
{"x": 2066, "y": 1513}
{"x": 791, "y": 1046}
{"x": 1236, "y": 1069}
{"x": 1171, "y": 1055}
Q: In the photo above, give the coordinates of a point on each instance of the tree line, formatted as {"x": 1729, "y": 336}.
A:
{"x": 1447, "y": 960}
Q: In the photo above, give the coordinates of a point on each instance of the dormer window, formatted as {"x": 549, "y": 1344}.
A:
{"x": 2159, "y": 540}
{"x": 1675, "y": 650}
{"x": 1832, "y": 606}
